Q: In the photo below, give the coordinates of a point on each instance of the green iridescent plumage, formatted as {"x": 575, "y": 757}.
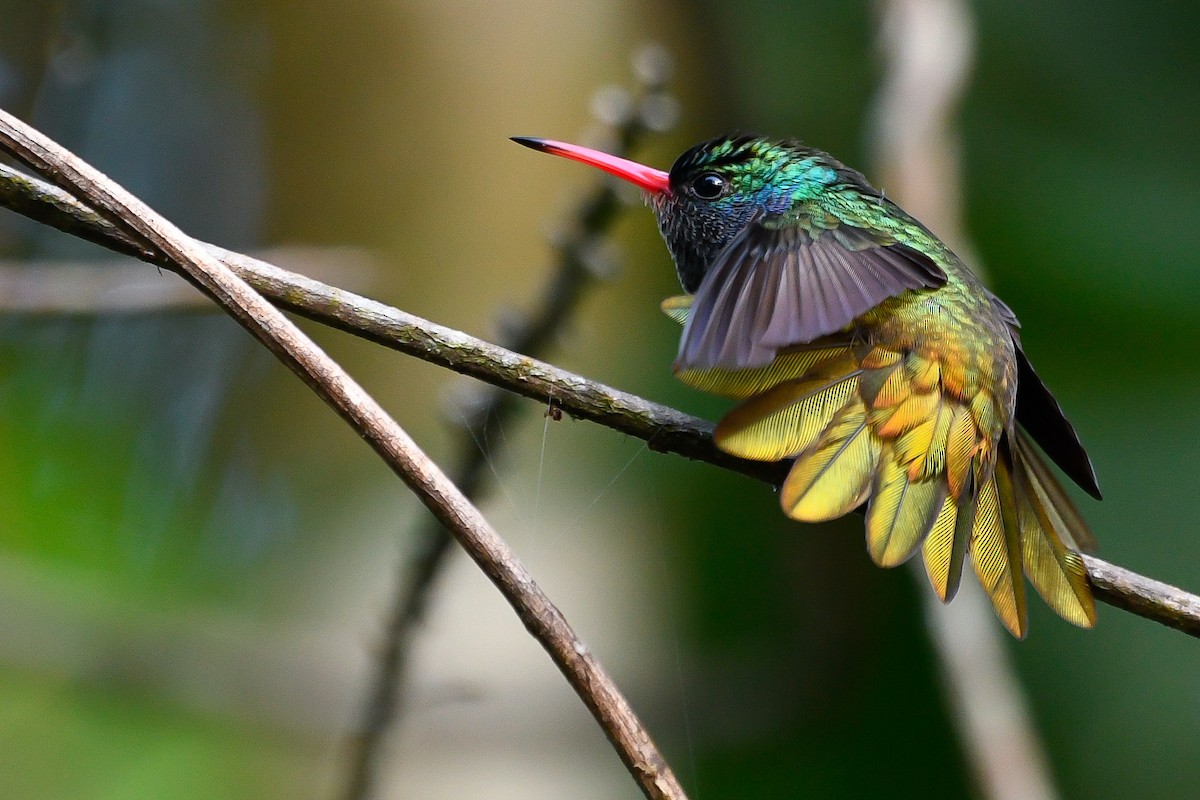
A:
{"x": 862, "y": 348}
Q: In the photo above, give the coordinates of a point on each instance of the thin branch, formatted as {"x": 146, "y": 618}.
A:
{"x": 1146, "y": 597}
{"x": 121, "y": 286}
{"x": 664, "y": 429}
{"x": 369, "y": 420}
{"x": 493, "y": 409}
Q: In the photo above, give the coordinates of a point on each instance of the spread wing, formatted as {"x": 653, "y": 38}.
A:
{"x": 779, "y": 285}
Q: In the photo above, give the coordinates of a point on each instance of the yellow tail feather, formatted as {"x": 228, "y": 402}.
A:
{"x": 960, "y": 451}
{"x": 833, "y": 477}
{"x": 996, "y": 550}
{"x": 742, "y": 383}
{"x": 1071, "y": 528}
{"x": 787, "y": 419}
{"x": 945, "y": 547}
{"x": 1058, "y": 574}
{"x": 677, "y": 307}
{"x": 902, "y": 512}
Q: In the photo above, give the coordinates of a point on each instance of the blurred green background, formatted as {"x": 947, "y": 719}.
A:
{"x": 196, "y": 557}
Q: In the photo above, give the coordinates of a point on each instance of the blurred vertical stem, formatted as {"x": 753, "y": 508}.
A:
{"x": 625, "y": 118}
{"x": 927, "y": 52}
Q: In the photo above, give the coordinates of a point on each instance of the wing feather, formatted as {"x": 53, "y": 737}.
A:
{"x": 824, "y": 281}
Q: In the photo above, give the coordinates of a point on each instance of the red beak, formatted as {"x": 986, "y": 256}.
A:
{"x": 652, "y": 180}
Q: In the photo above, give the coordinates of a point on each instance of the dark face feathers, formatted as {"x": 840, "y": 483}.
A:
{"x": 721, "y": 186}
{"x": 696, "y": 231}
{"x": 696, "y": 222}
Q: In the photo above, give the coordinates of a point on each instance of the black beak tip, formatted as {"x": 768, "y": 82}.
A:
{"x": 531, "y": 142}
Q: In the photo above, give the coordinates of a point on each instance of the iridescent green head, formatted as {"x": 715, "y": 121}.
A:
{"x": 717, "y": 188}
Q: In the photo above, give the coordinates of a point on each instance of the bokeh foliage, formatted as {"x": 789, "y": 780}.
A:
{"x": 179, "y": 521}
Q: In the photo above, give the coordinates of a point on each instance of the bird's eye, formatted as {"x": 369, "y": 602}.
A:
{"x": 708, "y": 186}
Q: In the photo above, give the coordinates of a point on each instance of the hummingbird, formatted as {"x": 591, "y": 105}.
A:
{"x": 863, "y": 350}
